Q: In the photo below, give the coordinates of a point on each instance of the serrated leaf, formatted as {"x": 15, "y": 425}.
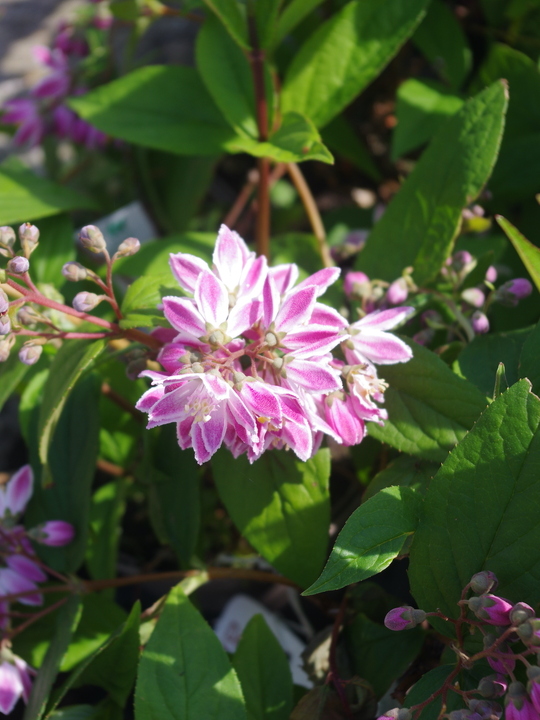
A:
{"x": 273, "y": 501}
{"x": 371, "y": 538}
{"x": 480, "y": 512}
{"x": 420, "y": 225}
{"x": 71, "y": 361}
{"x": 429, "y": 407}
{"x": 66, "y": 622}
{"x": 25, "y": 196}
{"x": 529, "y": 253}
{"x": 264, "y": 673}
{"x": 345, "y": 54}
{"x": 184, "y": 673}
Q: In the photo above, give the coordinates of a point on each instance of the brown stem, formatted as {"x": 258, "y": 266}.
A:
{"x": 37, "y": 616}
{"x": 110, "y": 468}
{"x": 107, "y": 390}
{"x": 12, "y": 597}
{"x": 242, "y": 199}
{"x": 312, "y": 212}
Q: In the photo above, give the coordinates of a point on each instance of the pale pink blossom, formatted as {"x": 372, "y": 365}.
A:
{"x": 15, "y": 680}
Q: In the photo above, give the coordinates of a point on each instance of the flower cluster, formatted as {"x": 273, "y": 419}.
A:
{"x": 249, "y": 361}
{"x": 20, "y": 573}
{"x": 44, "y": 110}
{"x": 511, "y": 633}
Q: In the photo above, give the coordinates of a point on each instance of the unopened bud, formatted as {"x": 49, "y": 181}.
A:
{"x": 397, "y": 292}
{"x": 18, "y": 265}
{"x": 492, "y": 686}
{"x": 479, "y": 322}
{"x": 491, "y": 274}
{"x": 27, "y": 316}
{"x": 513, "y": 291}
{"x": 474, "y": 296}
{"x": 4, "y": 302}
{"x": 521, "y": 612}
{"x": 5, "y": 324}
{"x": 493, "y": 609}
{"x": 484, "y": 581}
{"x": 354, "y": 282}
{"x": 484, "y": 708}
{"x": 404, "y": 618}
{"x": 86, "y": 301}
{"x": 7, "y": 237}
{"x": 92, "y": 239}
{"x": 135, "y": 368}
{"x": 29, "y": 354}
{"x": 462, "y": 260}
{"x": 128, "y": 247}
{"x": 29, "y": 237}
{"x": 74, "y": 271}
{"x": 5, "y": 347}
{"x": 529, "y": 631}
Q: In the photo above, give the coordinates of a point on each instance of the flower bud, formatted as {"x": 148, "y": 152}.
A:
{"x": 29, "y": 237}
{"x": 513, "y": 291}
{"x": 501, "y": 665}
{"x": 529, "y": 631}
{"x": 5, "y": 324}
{"x": 492, "y": 686}
{"x": 491, "y": 608}
{"x": 474, "y": 296}
{"x": 18, "y": 265}
{"x": 398, "y": 292}
{"x": 397, "y": 714}
{"x": 86, "y": 301}
{"x": 520, "y": 612}
{"x": 128, "y": 247}
{"x": 462, "y": 260}
{"x": 74, "y": 271}
{"x": 5, "y": 347}
{"x": 30, "y": 353}
{"x": 432, "y": 319}
{"x": 27, "y": 316}
{"x": 484, "y": 581}
{"x": 479, "y": 322}
{"x": 518, "y": 705}
{"x": 7, "y": 237}
{"x": 404, "y": 618}
{"x": 92, "y": 239}
{"x": 484, "y": 708}
{"x": 353, "y": 283}
{"x": 424, "y": 337}
{"x": 54, "y": 533}
{"x": 4, "y": 302}
{"x": 533, "y": 686}
{"x": 491, "y": 274}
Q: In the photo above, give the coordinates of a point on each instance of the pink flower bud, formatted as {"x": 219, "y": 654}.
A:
{"x": 461, "y": 260}
{"x": 353, "y": 281}
{"x": 479, "y": 322}
{"x": 533, "y": 686}
{"x": 29, "y": 354}
{"x": 491, "y": 274}
{"x": 501, "y": 665}
{"x": 492, "y": 686}
{"x": 92, "y": 239}
{"x": 4, "y": 302}
{"x": 54, "y": 533}
{"x": 513, "y": 291}
{"x": 484, "y": 708}
{"x": 404, "y": 618}
{"x": 128, "y": 247}
{"x": 398, "y": 292}
{"x": 484, "y": 581}
{"x": 491, "y": 608}
{"x": 520, "y": 613}
{"x": 86, "y": 301}
{"x": 5, "y": 325}
{"x": 7, "y": 236}
{"x": 5, "y": 349}
{"x": 474, "y": 296}
{"x": 74, "y": 271}
{"x": 18, "y": 265}
{"x": 29, "y": 237}
{"x": 518, "y": 704}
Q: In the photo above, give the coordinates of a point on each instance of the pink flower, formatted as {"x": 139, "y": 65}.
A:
{"x": 518, "y": 704}
{"x": 15, "y": 680}
{"x": 370, "y": 340}
{"x": 24, "y": 113}
{"x": 398, "y": 292}
{"x": 404, "y": 618}
{"x": 491, "y": 608}
{"x": 53, "y": 532}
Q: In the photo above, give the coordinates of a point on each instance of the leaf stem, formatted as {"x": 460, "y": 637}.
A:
{"x": 34, "y": 618}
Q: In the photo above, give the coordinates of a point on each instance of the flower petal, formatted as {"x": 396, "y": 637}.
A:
{"x": 230, "y": 255}
{"x": 19, "y": 490}
{"x": 12, "y": 583}
{"x": 312, "y": 341}
{"x": 296, "y": 308}
{"x": 284, "y": 276}
{"x": 243, "y": 315}
{"x": 11, "y": 687}
{"x": 381, "y": 348}
{"x": 322, "y": 279}
{"x": 26, "y": 567}
{"x": 384, "y": 319}
{"x": 186, "y": 269}
{"x": 212, "y": 298}
{"x": 313, "y": 376}
{"x": 184, "y": 316}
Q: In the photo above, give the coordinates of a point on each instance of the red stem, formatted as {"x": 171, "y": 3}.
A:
{"x": 36, "y": 617}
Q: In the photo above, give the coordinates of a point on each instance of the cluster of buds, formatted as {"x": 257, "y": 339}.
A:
{"x": 511, "y": 634}
{"x": 378, "y": 294}
{"x": 20, "y": 573}
{"x": 44, "y": 109}
{"x": 252, "y": 362}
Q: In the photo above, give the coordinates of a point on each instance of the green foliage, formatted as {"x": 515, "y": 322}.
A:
{"x": 56, "y": 247}
{"x": 421, "y": 223}
{"x": 12, "y": 373}
{"x": 480, "y": 510}
{"x": 371, "y": 538}
{"x": 528, "y": 361}
{"x": 231, "y": 15}
{"x": 184, "y": 673}
{"x": 529, "y": 253}
{"x": 106, "y": 512}
{"x": 140, "y": 304}
{"x": 273, "y": 501}
{"x": 264, "y": 674}
{"x": 405, "y": 471}
{"x": 345, "y": 54}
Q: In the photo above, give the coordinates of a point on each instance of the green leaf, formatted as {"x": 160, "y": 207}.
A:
{"x": 422, "y": 107}
{"x": 441, "y": 39}
{"x": 106, "y": 512}
{"x": 345, "y": 54}
{"x": 371, "y": 538}
{"x": 296, "y": 140}
{"x": 12, "y": 371}
{"x": 140, "y": 304}
{"x": 480, "y": 512}
{"x": 72, "y": 459}
{"x": 113, "y": 665}
{"x": 379, "y": 655}
{"x": 529, "y": 253}
{"x": 232, "y": 15}
{"x": 25, "y": 196}
{"x": 429, "y": 407}
{"x": 56, "y": 247}
{"x": 184, "y": 673}
{"x": 162, "y": 107}
{"x": 153, "y": 257}
{"x": 266, "y": 14}
{"x": 263, "y": 670}
{"x": 66, "y": 622}
{"x": 71, "y": 361}
{"x": 293, "y": 14}
{"x": 341, "y": 138}
{"x": 425, "y": 687}
{"x": 225, "y": 71}
{"x": 529, "y": 367}
{"x": 421, "y": 222}
{"x": 405, "y": 471}
{"x": 281, "y": 505}
{"x": 75, "y": 712}
{"x": 174, "y": 495}
{"x": 480, "y": 359}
